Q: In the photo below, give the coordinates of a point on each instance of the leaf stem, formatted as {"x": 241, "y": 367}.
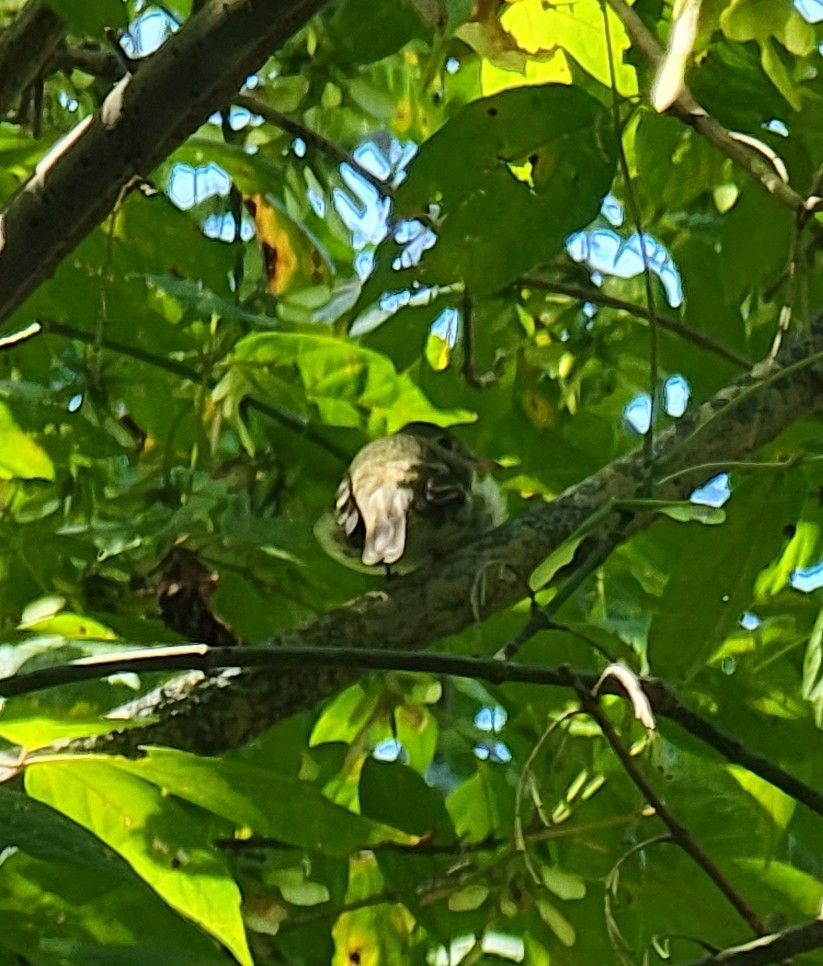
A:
{"x": 591, "y": 294}
{"x": 289, "y": 420}
{"x": 634, "y": 209}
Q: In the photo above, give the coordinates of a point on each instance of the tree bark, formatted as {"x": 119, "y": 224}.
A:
{"x": 214, "y": 714}
{"x": 143, "y": 119}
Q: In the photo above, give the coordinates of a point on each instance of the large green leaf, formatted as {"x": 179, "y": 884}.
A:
{"x": 166, "y": 844}
{"x": 712, "y": 578}
{"x": 349, "y": 386}
{"x": 91, "y": 17}
{"x": 397, "y": 795}
{"x": 263, "y": 800}
{"x": 364, "y": 31}
{"x": 68, "y": 896}
{"x": 504, "y": 183}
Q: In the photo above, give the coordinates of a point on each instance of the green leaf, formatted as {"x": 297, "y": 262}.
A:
{"x": 91, "y": 17}
{"x": 683, "y": 511}
{"x": 774, "y": 802}
{"x": 556, "y": 921}
{"x": 264, "y": 800}
{"x": 364, "y": 31}
{"x": 417, "y": 731}
{"x": 712, "y": 579}
{"x": 577, "y": 31}
{"x": 565, "y": 885}
{"x": 43, "y": 833}
{"x": 482, "y": 804}
{"x": 797, "y": 553}
{"x": 764, "y": 22}
{"x": 55, "y": 912}
{"x": 468, "y": 898}
{"x": 57, "y": 872}
{"x": 396, "y": 795}
{"x": 167, "y": 845}
{"x": 544, "y": 572}
{"x": 813, "y": 670}
{"x": 525, "y": 167}
{"x": 204, "y": 303}
{"x": 21, "y": 457}
{"x": 801, "y": 888}
{"x": 349, "y": 386}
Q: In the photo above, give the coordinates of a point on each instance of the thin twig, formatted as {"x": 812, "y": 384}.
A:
{"x": 634, "y": 211}
{"x": 289, "y": 420}
{"x": 798, "y": 295}
{"x": 679, "y": 832}
{"x": 613, "y": 881}
{"x": 740, "y": 466}
{"x": 591, "y": 294}
{"x": 469, "y": 368}
{"x": 527, "y": 777}
{"x": 790, "y": 305}
{"x": 451, "y": 849}
{"x": 769, "y": 949}
{"x": 692, "y": 113}
{"x": 314, "y": 140}
{"x": 664, "y": 700}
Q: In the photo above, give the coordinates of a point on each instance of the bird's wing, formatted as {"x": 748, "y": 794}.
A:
{"x": 348, "y": 514}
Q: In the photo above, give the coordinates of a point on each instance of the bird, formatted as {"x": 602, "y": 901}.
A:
{"x": 412, "y": 496}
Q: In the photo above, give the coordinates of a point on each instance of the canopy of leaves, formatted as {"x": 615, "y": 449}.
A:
{"x": 464, "y": 213}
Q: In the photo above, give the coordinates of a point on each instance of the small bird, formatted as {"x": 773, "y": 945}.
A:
{"x": 412, "y": 496}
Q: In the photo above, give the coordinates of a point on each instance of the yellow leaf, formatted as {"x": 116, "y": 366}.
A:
{"x": 290, "y": 257}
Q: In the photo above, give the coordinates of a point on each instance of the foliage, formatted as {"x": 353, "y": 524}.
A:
{"x": 463, "y": 213}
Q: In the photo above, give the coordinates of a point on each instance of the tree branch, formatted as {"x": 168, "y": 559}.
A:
{"x": 414, "y": 611}
{"x": 283, "y": 660}
{"x": 692, "y": 113}
{"x": 587, "y": 293}
{"x": 680, "y": 834}
{"x": 141, "y": 121}
{"x": 769, "y": 949}
{"x": 322, "y": 145}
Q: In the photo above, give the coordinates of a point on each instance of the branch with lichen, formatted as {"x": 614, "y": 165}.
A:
{"x": 216, "y": 714}
{"x": 142, "y": 120}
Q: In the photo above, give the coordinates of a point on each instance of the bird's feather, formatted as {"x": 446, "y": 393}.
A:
{"x": 384, "y": 516}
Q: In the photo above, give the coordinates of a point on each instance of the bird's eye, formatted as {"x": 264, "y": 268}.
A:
{"x": 445, "y": 442}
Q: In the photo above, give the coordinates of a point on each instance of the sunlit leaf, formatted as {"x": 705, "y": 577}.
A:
{"x": 167, "y": 845}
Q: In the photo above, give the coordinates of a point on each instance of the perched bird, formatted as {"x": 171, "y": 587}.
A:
{"x": 412, "y": 496}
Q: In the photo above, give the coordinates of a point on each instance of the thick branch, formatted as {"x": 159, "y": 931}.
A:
{"x": 487, "y": 576}
{"x": 103, "y": 63}
{"x": 141, "y": 121}
{"x": 769, "y": 949}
